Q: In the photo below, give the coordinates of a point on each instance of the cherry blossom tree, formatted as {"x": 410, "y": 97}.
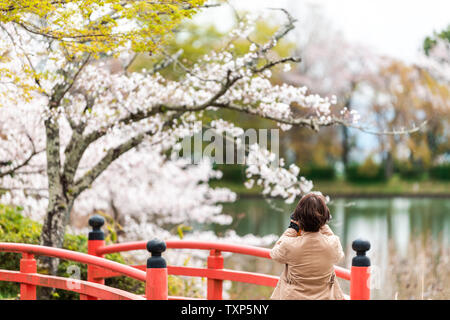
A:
{"x": 78, "y": 132}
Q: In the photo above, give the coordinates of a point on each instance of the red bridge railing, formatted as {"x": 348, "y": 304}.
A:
{"x": 156, "y": 272}
{"x": 29, "y": 278}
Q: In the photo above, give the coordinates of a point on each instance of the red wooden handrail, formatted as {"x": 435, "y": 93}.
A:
{"x": 73, "y": 256}
{"x": 83, "y": 287}
{"x": 203, "y": 245}
{"x": 183, "y": 244}
{"x": 29, "y": 279}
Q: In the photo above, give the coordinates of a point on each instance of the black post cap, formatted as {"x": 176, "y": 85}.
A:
{"x": 156, "y": 247}
{"x": 96, "y": 222}
{"x": 361, "y": 246}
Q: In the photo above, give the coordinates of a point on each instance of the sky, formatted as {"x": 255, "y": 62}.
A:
{"x": 392, "y": 27}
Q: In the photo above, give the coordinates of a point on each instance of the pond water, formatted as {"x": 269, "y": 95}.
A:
{"x": 388, "y": 223}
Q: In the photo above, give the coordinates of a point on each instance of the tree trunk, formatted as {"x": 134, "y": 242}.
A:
{"x": 52, "y": 235}
{"x": 58, "y": 209}
{"x": 53, "y": 231}
{"x": 388, "y": 165}
{"x": 345, "y": 147}
{"x": 345, "y": 133}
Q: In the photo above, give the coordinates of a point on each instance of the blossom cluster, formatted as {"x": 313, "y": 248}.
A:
{"x": 274, "y": 178}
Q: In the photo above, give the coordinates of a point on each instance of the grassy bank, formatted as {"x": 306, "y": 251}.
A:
{"x": 394, "y": 187}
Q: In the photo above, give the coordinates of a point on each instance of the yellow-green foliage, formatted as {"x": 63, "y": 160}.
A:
{"x": 16, "y": 228}
{"x": 368, "y": 168}
{"x": 185, "y": 286}
{"x": 95, "y": 25}
{"x": 81, "y": 27}
{"x": 368, "y": 171}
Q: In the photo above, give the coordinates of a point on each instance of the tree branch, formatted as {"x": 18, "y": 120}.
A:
{"x": 112, "y": 154}
{"x": 60, "y": 90}
{"x": 36, "y": 79}
{"x": 313, "y": 123}
{"x": 167, "y": 62}
{"x": 272, "y": 64}
{"x": 23, "y": 164}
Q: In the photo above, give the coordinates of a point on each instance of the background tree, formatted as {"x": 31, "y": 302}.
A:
{"x": 331, "y": 65}
{"x": 405, "y": 95}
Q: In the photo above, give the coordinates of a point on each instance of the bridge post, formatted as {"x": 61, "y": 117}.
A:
{"x": 360, "y": 271}
{"x": 27, "y": 265}
{"x": 215, "y": 286}
{"x": 96, "y": 239}
{"x": 156, "y": 285}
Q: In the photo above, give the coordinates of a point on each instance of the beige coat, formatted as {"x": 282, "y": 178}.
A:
{"x": 309, "y": 265}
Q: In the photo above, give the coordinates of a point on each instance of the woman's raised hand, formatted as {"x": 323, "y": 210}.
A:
{"x": 294, "y": 224}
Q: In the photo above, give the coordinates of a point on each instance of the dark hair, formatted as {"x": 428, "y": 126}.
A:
{"x": 312, "y": 212}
